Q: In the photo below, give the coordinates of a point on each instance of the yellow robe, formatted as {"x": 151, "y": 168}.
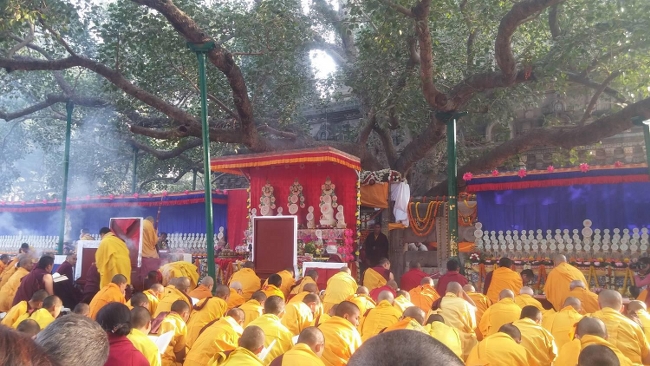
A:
{"x": 341, "y": 340}
{"x": 112, "y": 258}
{"x": 538, "y": 341}
{"x": 173, "y": 323}
{"x": 644, "y": 316}
{"x": 499, "y": 349}
{"x": 558, "y": 281}
{"x": 459, "y": 314}
{"x": 588, "y": 299}
{"x": 153, "y": 301}
{"x": 625, "y": 334}
{"x": 482, "y": 303}
{"x": 502, "y": 312}
{"x": 447, "y": 335}
{"x": 406, "y": 323}
{"x": 301, "y": 287}
{"x": 212, "y": 308}
{"x": 9, "y": 270}
{"x": 527, "y": 300}
{"x": 298, "y": 297}
{"x": 171, "y": 295}
{"x": 252, "y": 310}
{"x": 401, "y": 303}
{"x": 249, "y": 280}
{"x": 301, "y": 354}
{"x": 16, "y": 312}
{"x": 41, "y": 316}
{"x": 287, "y": 282}
{"x": 561, "y": 324}
{"x": 373, "y": 279}
{"x": 271, "y": 290}
{"x": 570, "y": 352}
{"x": 109, "y": 293}
{"x": 200, "y": 293}
{"x": 503, "y": 279}
{"x": 297, "y": 316}
{"x": 274, "y": 330}
{"x": 2, "y": 267}
{"x": 424, "y": 296}
{"x": 8, "y": 291}
{"x": 240, "y": 357}
{"x": 221, "y": 336}
{"x": 146, "y": 346}
{"x": 382, "y": 316}
{"x": 235, "y": 299}
{"x": 364, "y": 302}
{"x": 180, "y": 269}
{"x": 339, "y": 287}
{"x": 149, "y": 240}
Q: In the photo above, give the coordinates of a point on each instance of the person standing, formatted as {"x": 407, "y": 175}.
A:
{"x": 112, "y": 258}
{"x": 376, "y": 246}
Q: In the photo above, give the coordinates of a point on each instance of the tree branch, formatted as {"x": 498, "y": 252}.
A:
{"x": 399, "y": 8}
{"x": 22, "y": 43}
{"x": 553, "y": 22}
{"x": 420, "y": 146}
{"x": 583, "y": 80}
{"x": 49, "y": 101}
{"x": 596, "y": 96}
{"x": 276, "y": 132}
{"x": 387, "y": 143}
{"x": 171, "y": 180}
{"x": 613, "y": 53}
{"x": 365, "y": 132}
{"x": 166, "y": 154}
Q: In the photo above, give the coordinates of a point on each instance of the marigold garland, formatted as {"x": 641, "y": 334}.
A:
{"x": 423, "y": 226}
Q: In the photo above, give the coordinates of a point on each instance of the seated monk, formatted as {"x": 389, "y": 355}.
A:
{"x": 235, "y": 299}
{"x": 204, "y": 290}
{"x": 273, "y": 285}
{"x": 179, "y": 268}
{"x": 82, "y": 309}
{"x": 248, "y": 278}
{"x": 500, "y": 348}
{"x": 207, "y": 311}
{"x": 154, "y": 294}
{"x": 287, "y": 281}
{"x": 4, "y": 259}
{"x": 482, "y": 303}
{"x": 342, "y": 338}
{"x": 402, "y": 301}
{"x": 307, "y": 351}
{"x": 253, "y": 308}
{"x": 588, "y": 332}
{"x": 138, "y": 299}
{"x": 527, "y": 277}
{"x": 8, "y": 291}
{"x": 140, "y": 327}
{"x": 452, "y": 275}
{"x": 113, "y": 292}
{"x": 378, "y": 276}
{"x": 425, "y": 295}
{"x": 12, "y": 265}
{"x": 639, "y": 310}
{"x": 310, "y": 288}
{"x": 413, "y": 319}
{"x": 300, "y": 315}
{"x": 310, "y": 278}
{"x": 40, "y": 278}
{"x": 91, "y": 286}
{"x": 51, "y": 310}
{"x": 559, "y": 279}
{"x": 403, "y": 347}
{"x": 220, "y": 336}
{"x": 362, "y": 300}
{"x": 561, "y": 324}
{"x": 502, "y": 278}
{"x": 588, "y": 299}
{"x": 502, "y": 312}
{"x": 251, "y": 343}
{"x": 391, "y": 286}
{"x": 525, "y": 298}
{"x": 624, "y": 333}
{"x": 380, "y": 317}
{"x": 339, "y": 287}
{"x": 458, "y": 310}
{"x": 273, "y": 328}
{"x": 175, "y": 322}
{"x": 176, "y": 290}
{"x": 413, "y": 278}
{"x": 29, "y": 327}
{"x": 598, "y": 355}
{"x": 538, "y": 341}
{"x": 24, "y": 307}
{"x": 447, "y": 335}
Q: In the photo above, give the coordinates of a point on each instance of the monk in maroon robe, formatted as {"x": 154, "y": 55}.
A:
{"x": 40, "y": 278}
{"x": 66, "y": 289}
{"x": 91, "y": 286}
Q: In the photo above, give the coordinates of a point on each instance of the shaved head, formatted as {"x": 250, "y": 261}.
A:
{"x": 636, "y": 305}
{"x": 140, "y": 299}
{"x": 346, "y": 308}
{"x": 405, "y": 294}
{"x": 39, "y": 296}
{"x": 560, "y": 258}
{"x": 312, "y": 337}
{"x": 512, "y": 331}
{"x": 526, "y": 291}
{"x": 180, "y": 306}
{"x": 506, "y": 294}
{"x": 29, "y": 327}
{"x": 158, "y": 288}
{"x": 252, "y": 339}
{"x": 222, "y": 291}
{"x": 81, "y": 309}
{"x": 598, "y": 355}
{"x": 181, "y": 283}
{"x": 386, "y": 295}
{"x": 392, "y": 284}
{"x": 591, "y": 326}
{"x": 415, "y": 313}
{"x": 455, "y": 288}
{"x": 362, "y": 290}
{"x": 237, "y": 314}
{"x": 311, "y": 288}
{"x": 469, "y": 288}
{"x": 345, "y": 269}
{"x": 426, "y": 281}
{"x": 577, "y": 283}
{"x": 312, "y": 273}
{"x": 435, "y": 318}
{"x": 260, "y": 296}
{"x": 119, "y": 279}
{"x": 531, "y": 312}
{"x": 573, "y": 302}
{"x": 140, "y": 317}
{"x": 236, "y": 285}
{"x": 274, "y": 305}
{"x": 207, "y": 281}
{"x": 610, "y": 299}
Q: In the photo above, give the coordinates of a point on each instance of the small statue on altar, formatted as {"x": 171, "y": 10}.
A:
{"x": 267, "y": 201}
{"x": 310, "y": 218}
{"x": 296, "y": 198}
{"x": 279, "y": 211}
{"x": 221, "y": 239}
{"x": 340, "y": 218}
{"x": 328, "y": 204}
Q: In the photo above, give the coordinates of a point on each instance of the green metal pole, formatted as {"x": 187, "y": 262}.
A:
{"x": 452, "y": 189}
{"x": 201, "y": 50}
{"x": 135, "y": 171}
{"x": 69, "y": 107}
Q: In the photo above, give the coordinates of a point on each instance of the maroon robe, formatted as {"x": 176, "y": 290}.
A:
{"x": 374, "y": 294}
{"x": 29, "y": 285}
{"x": 122, "y": 353}
{"x": 91, "y": 287}
{"x": 412, "y": 279}
{"x": 445, "y": 279}
{"x": 65, "y": 290}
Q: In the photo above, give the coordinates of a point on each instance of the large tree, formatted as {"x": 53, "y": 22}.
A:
{"x": 407, "y": 63}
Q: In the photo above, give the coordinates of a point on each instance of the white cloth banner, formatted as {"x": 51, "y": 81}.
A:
{"x": 401, "y": 194}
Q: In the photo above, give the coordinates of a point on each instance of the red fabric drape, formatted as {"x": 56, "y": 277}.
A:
{"x": 237, "y": 212}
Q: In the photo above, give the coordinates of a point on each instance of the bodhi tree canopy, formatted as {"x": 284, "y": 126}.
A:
{"x": 126, "y": 66}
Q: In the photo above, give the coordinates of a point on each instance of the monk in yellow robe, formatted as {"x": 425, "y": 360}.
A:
{"x": 9, "y": 271}
{"x": 4, "y": 259}
{"x": 112, "y": 258}
{"x": 624, "y": 333}
{"x": 51, "y": 310}
{"x": 287, "y": 281}
{"x": 307, "y": 351}
{"x": 178, "y": 269}
{"x": 447, "y": 335}
{"x": 175, "y": 322}
{"x": 140, "y": 327}
{"x": 249, "y": 280}
{"x": 538, "y": 341}
{"x": 503, "y": 312}
{"x": 382, "y": 316}
{"x": 273, "y": 328}
{"x": 310, "y": 288}
{"x": 221, "y": 336}
{"x": 253, "y": 308}
{"x": 412, "y": 319}
{"x": 339, "y": 287}
{"x": 204, "y": 290}
{"x": 8, "y": 291}
{"x": 154, "y": 294}
{"x": 481, "y": 302}
{"x": 458, "y": 311}
{"x": 205, "y": 312}
{"x": 525, "y": 298}
{"x": 589, "y": 331}
{"x": 561, "y": 324}
{"x": 300, "y": 315}
{"x": 501, "y": 349}
{"x": 235, "y": 299}
{"x": 149, "y": 239}
{"x": 176, "y": 290}
{"x": 558, "y": 281}
{"x": 503, "y": 278}
{"x": 24, "y": 307}
{"x": 273, "y": 285}
{"x": 362, "y": 300}
{"x": 113, "y": 292}
{"x": 378, "y": 276}
{"x": 639, "y": 310}
{"x": 310, "y": 278}
{"x": 424, "y": 295}
{"x": 342, "y": 338}
{"x": 402, "y": 301}
{"x": 251, "y": 343}
{"x": 588, "y": 299}
{"x": 10, "y": 267}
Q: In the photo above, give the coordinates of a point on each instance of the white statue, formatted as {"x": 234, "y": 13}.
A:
{"x": 340, "y": 218}
{"x": 328, "y": 204}
{"x": 279, "y": 211}
{"x": 310, "y": 218}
